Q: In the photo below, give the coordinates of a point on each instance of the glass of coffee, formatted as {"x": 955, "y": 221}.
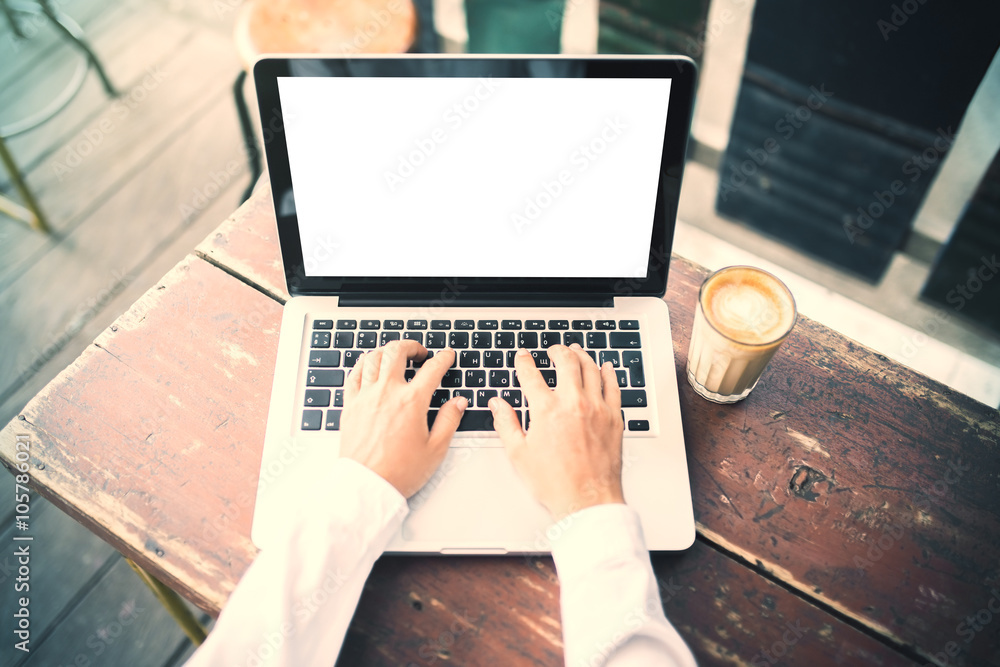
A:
{"x": 744, "y": 314}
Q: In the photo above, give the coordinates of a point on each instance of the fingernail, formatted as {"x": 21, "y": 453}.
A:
{"x": 523, "y": 352}
{"x": 492, "y": 405}
{"x": 462, "y": 403}
{"x": 576, "y": 345}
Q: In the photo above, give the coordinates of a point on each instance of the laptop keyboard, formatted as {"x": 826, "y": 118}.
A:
{"x": 484, "y": 363}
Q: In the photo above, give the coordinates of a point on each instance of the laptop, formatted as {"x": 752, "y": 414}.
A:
{"x": 484, "y": 204}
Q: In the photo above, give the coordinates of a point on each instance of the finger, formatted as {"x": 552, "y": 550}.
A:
{"x": 589, "y": 371}
{"x": 612, "y": 393}
{"x": 353, "y": 383}
{"x": 530, "y": 378}
{"x": 446, "y": 423}
{"x": 373, "y": 362}
{"x": 429, "y": 376}
{"x": 507, "y": 426}
{"x": 396, "y": 354}
{"x": 567, "y": 367}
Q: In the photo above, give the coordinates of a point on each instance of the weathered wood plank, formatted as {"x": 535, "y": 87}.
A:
{"x": 96, "y": 258}
{"x": 488, "y": 611}
{"x": 152, "y": 437}
{"x": 858, "y": 481}
{"x": 117, "y": 623}
{"x": 64, "y": 557}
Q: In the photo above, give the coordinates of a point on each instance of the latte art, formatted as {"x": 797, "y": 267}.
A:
{"x": 743, "y": 316}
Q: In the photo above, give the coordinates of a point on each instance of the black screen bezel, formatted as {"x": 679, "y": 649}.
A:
{"x": 680, "y": 70}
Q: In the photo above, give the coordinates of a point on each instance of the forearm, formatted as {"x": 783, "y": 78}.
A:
{"x": 293, "y": 605}
{"x": 611, "y": 608}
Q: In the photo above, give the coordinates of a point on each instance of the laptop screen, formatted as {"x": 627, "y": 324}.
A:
{"x": 467, "y": 177}
{"x": 518, "y": 175}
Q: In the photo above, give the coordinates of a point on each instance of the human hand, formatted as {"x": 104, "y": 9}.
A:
{"x": 384, "y": 423}
{"x": 571, "y": 456}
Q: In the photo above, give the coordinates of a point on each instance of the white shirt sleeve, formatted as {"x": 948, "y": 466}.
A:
{"x": 612, "y": 614}
{"x": 294, "y": 603}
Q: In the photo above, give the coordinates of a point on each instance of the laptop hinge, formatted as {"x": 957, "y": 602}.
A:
{"x": 451, "y": 300}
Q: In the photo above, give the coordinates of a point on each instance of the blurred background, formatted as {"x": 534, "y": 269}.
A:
{"x": 848, "y": 146}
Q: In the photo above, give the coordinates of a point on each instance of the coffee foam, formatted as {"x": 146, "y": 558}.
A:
{"x": 748, "y": 306}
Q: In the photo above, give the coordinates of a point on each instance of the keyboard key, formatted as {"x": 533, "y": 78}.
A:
{"x": 409, "y": 374}
{"x": 370, "y": 324}
{"x": 633, "y": 398}
{"x": 417, "y": 363}
{"x": 388, "y": 336}
{"x": 324, "y": 378}
{"x": 419, "y": 325}
{"x": 549, "y": 377}
{"x": 452, "y": 378}
{"x": 338, "y": 398}
{"x": 499, "y": 378}
{"x": 476, "y": 420}
{"x": 324, "y": 358}
{"x": 312, "y": 420}
{"x": 633, "y": 362}
{"x": 625, "y": 339}
{"x": 347, "y": 324}
{"x": 493, "y": 359}
{"x": 638, "y": 424}
{"x": 475, "y": 378}
{"x": 597, "y": 339}
{"x": 559, "y": 325}
{"x": 393, "y": 324}
{"x": 333, "y": 420}
{"x": 628, "y": 325}
{"x": 593, "y": 355}
{"x": 483, "y": 397}
{"x": 351, "y": 358}
{"x": 604, "y": 325}
{"x": 467, "y": 359}
{"x": 367, "y": 339}
{"x": 321, "y": 339}
{"x": 465, "y": 325}
{"x": 622, "y": 378}
{"x": 510, "y": 358}
{"x": 610, "y": 356}
{"x": 441, "y": 325}
{"x": 536, "y": 325}
{"x": 487, "y": 324}
{"x": 439, "y": 398}
{"x": 467, "y": 394}
{"x": 436, "y": 340}
{"x": 510, "y": 325}
{"x": 322, "y": 324}
{"x": 317, "y": 398}
{"x": 528, "y": 339}
{"x": 550, "y": 338}
{"x": 504, "y": 340}
{"x": 344, "y": 339}
{"x": 414, "y": 335}
{"x": 512, "y": 396}
{"x": 582, "y": 325}
{"x": 458, "y": 340}
{"x": 571, "y": 337}
{"x": 482, "y": 340}
{"x": 541, "y": 358}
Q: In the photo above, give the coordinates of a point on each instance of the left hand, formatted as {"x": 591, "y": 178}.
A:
{"x": 384, "y": 423}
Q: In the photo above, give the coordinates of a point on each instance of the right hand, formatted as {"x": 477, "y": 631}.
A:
{"x": 571, "y": 455}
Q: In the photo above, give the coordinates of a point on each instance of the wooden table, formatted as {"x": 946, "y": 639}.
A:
{"x": 848, "y": 512}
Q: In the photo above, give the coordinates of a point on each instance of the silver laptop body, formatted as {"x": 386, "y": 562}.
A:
{"x": 515, "y": 199}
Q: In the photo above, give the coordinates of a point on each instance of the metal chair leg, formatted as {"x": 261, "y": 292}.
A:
{"x": 173, "y": 604}
{"x": 80, "y": 42}
{"x": 249, "y": 138}
{"x": 37, "y": 219}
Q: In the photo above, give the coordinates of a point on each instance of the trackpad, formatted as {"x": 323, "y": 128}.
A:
{"x": 475, "y": 499}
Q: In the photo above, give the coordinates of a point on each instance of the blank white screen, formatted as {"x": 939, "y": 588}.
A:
{"x": 500, "y": 177}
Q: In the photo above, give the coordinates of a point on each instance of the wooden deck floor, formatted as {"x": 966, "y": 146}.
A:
{"x": 130, "y": 186}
